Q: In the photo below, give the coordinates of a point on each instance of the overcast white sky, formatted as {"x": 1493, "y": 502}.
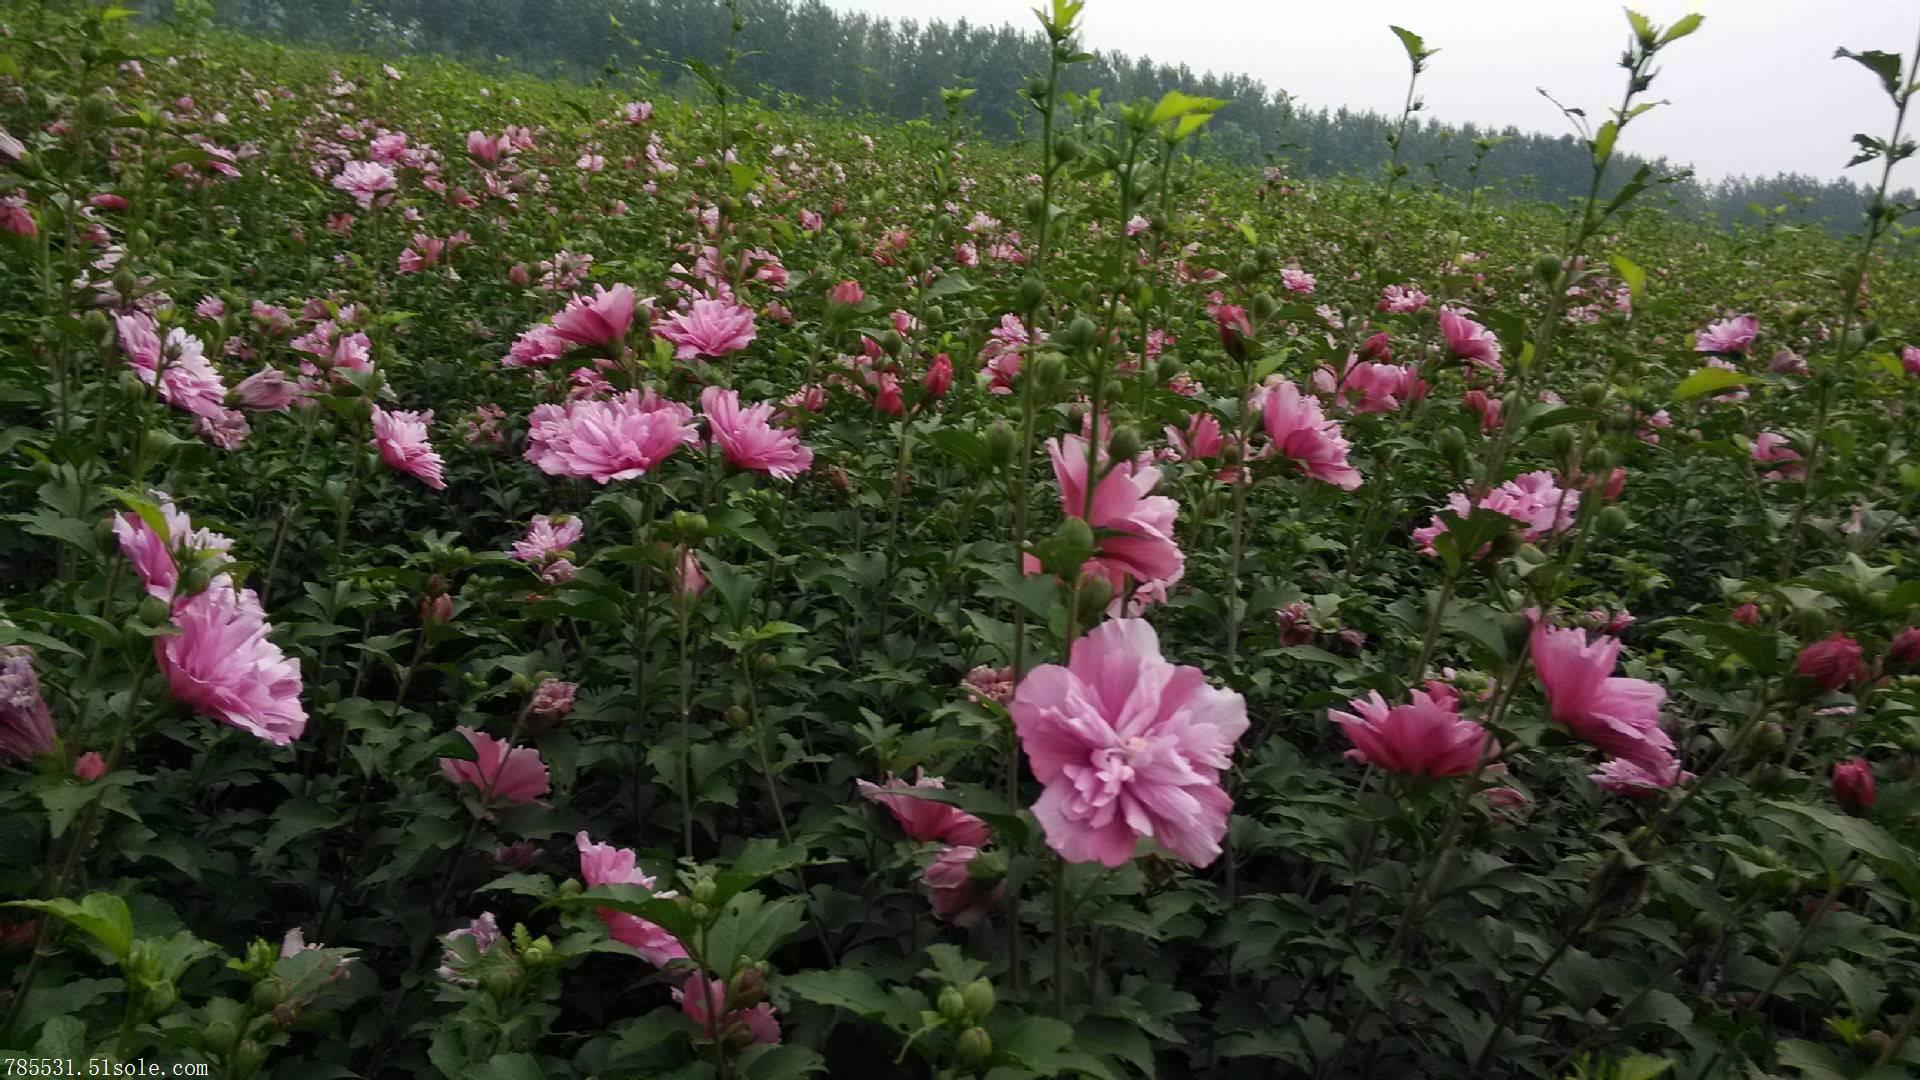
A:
{"x": 1754, "y": 91}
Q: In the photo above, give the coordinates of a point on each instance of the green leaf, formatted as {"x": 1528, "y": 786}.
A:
{"x": 1687, "y": 24}
{"x": 1603, "y": 141}
{"x": 507, "y": 1067}
{"x": 101, "y": 916}
{"x": 1886, "y": 65}
{"x": 1707, "y": 381}
{"x": 842, "y": 988}
{"x": 779, "y": 1062}
{"x": 295, "y": 818}
{"x": 952, "y": 283}
{"x": 1415, "y": 45}
{"x": 959, "y": 444}
{"x": 749, "y": 929}
{"x": 1630, "y": 273}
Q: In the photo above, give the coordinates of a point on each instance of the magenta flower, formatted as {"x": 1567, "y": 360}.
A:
{"x": 1424, "y": 738}
{"x": 604, "y": 864}
{"x": 26, "y": 724}
{"x": 1620, "y": 716}
{"x": 748, "y": 440}
{"x": 1134, "y": 529}
{"x": 708, "y": 328}
{"x": 923, "y": 819}
{"x": 89, "y": 767}
{"x": 1303, "y": 434}
{"x": 600, "y": 319}
{"x": 364, "y": 180}
{"x": 1910, "y": 359}
{"x": 617, "y": 439}
{"x": 1854, "y": 787}
{"x": 702, "y": 1000}
{"x": 1733, "y": 335}
{"x": 1831, "y": 662}
{"x": 401, "y": 437}
{"x": 500, "y": 773}
{"x": 1370, "y": 387}
{"x": 1638, "y": 780}
{"x": 1128, "y": 746}
{"x": 1201, "y": 439}
{"x": 688, "y": 579}
{"x": 1469, "y": 340}
{"x": 957, "y": 896}
{"x": 1235, "y": 329}
{"x": 939, "y": 377}
{"x": 222, "y": 666}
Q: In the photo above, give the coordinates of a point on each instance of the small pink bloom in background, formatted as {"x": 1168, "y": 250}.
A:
{"x": 747, "y": 438}
{"x": 1295, "y": 623}
{"x": 638, "y": 112}
{"x": 401, "y": 437}
{"x": 222, "y": 666}
{"x": 1201, "y": 439}
{"x": 1788, "y": 362}
{"x": 939, "y": 377}
{"x": 1854, "y": 787}
{"x": 1296, "y": 281}
{"x": 517, "y": 855}
{"x": 210, "y": 307}
{"x": 1128, "y": 746}
{"x": 600, "y": 319}
{"x": 485, "y": 933}
{"x": 1424, "y": 738}
{"x": 1134, "y": 529}
{"x": 1533, "y": 499}
{"x": 604, "y": 864}
{"x": 1905, "y": 647}
{"x": 1637, "y": 779}
{"x": 1770, "y": 448}
{"x": 1403, "y": 299}
{"x": 16, "y": 218}
{"x": 1370, "y": 387}
{"x": 1620, "y": 716}
{"x": 708, "y": 328}
{"x": 1137, "y": 225}
{"x": 983, "y": 684}
{"x": 1746, "y": 615}
{"x": 364, "y": 180}
{"x": 89, "y": 767}
{"x": 688, "y": 579}
{"x": 12, "y": 150}
{"x": 26, "y": 724}
{"x": 1303, "y": 434}
{"x": 1910, "y": 359}
{"x": 266, "y": 390}
{"x": 847, "y": 293}
{"x": 957, "y": 896}
{"x": 499, "y": 773}
{"x": 436, "y": 610}
{"x": 1234, "y": 326}
{"x": 1733, "y": 335}
{"x": 109, "y": 201}
{"x": 702, "y": 999}
{"x": 924, "y": 819}
{"x": 548, "y": 539}
{"x": 616, "y": 439}
{"x": 551, "y": 703}
{"x": 1615, "y": 486}
{"x": 810, "y": 398}
{"x": 1831, "y": 663}
{"x": 1470, "y": 341}
{"x": 1488, "y": 406}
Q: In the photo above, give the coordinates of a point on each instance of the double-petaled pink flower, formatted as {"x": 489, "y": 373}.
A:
{"x": 401, "y": 438}
{"x": 548, "y": 542}
{"x": 604, "y": 864}
{"x": 708, "y": 328}
{"x": 1535, "y": 500}
{"x": 1128, "y": 746}
{"x": 1368, "y": 386}
{"x": 1620, "y": 716}
{"x": 1133, "y": 527}
{"x": 1301, "y": 433}
{"x": 617, "y": 439}
{"x": 1637, "y": 779}
{"x": 749, "y": 440}
{"x": 1831, "y": 663}
{"x": 222, "y": 666}
{"x": 26, "y": 724}
{"x": 1733, "y": 335}
{"x": 924, "y": 819}
{"x": 364, "y": 180}
{"x": 1426, "y": 737}
{"x": 500, "y": 773}
{"x": 601, "y": 319}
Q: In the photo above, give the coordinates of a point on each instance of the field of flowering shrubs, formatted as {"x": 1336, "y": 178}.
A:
{"x": 510, "y": 580}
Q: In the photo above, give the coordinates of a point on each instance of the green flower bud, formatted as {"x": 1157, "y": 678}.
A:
{"x": 953, "y": 1007}
{"x": 1546, "y": 267}
{"x": 1599, "y": 462}
{"x": 974, "y": 1047}
{"x": 700, "y": 912}
{"x": 1264, "y": 305}
{"x": 1248, "y": 270}
{"x": 987, "y": 866}
{"x": 1050, "y": 371}
{"x": 571, "y": 887}
{"x": 1080, "y": 333}
{"x": 1611, "y": 521}
{"x": 267, "y": 993}
{"x": 1091, "y": 603}
{"x": 1002, "y": 444}
{"x": 1035, "y": 207}
{"x": 1125, "y": 443}
{"x": 691, "y": 527}
{"x": 246, "y": 1059}
{"x": 737, "y": 717}
{"x": 979, "y": 999}
{"x": 1066, "y": 148}
{"x": 498, "y": 984}
{"x": 1560, "y": 443}
{"x": 1032, "y": 293}
{"x": 221, "y": 1035}
{"x": 1168, "y": 367}
{"x": 705, "y": 890}
{"x": 1072, "y": 545}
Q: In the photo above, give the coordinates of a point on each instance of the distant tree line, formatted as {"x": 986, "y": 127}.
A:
{"x": 898, "y": 67}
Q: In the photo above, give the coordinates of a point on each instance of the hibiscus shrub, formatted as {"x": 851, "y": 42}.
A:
{"x": 514, "y": 580}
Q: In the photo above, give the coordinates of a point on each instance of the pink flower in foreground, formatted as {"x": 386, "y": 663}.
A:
{"x": 1425, "y": 737}
{"x": 401, "y": 437}
{"x": 1620, "y": 716}
{"x": 26, "y": 724}
{"x": 1469, "y": 340}
{"x": 364, "y": 180}
{"x": 957, "y": 896}
{"x": 702, "y": 999}
{"x": 1854, "y": 787}
{"x": 617, "y": 439}
{"x": 1831, "y": 663}
{"x": 1632, "y": 778}
{"x": 1303, "y": 434}
{"x": 222, "y": 666}
{"x": 708, "y": 328}
{"x": 600, "y": 319}
{"x": 604, "y": 864}
{"x": 1733, "y": 335}
{"x": 1134, "y": 529}
{"x": 499, "y": 773}
{"x": 924, "y": 819}
{"x": 1128, "y": 746}
{"x": 748, "y": 440}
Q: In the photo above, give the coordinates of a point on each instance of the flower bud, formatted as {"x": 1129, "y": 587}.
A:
{"x": 1453, "y": 447}
{"x": 1079, "y": 334}
{"x": 1091, "y": 602}
{"x": 737, "y": 717}
{"x": 1598, "y": 462}
{"x": 1546, "y": 267}
{"x": 268, "y": 992}
{"x": 973, "y": 1048}
{"x": 1001, "y": 444}
{"x": 246, "y": 1058}
{"x": 691, "y": 527}
{"x": 1067, "y": 148}
{"x": 1073, "y": 545}
{"x": 952, "y": 1007}
{"x": 979, "y": 998}
{"x": 1611, "y": 521}
{"x": 1124, "y": 445}
{"x": 220, "y": 1036}
{"x": 1560, "y": 443}
{"x": 1032, "y": 293}
{"x": 1050, "y": 371}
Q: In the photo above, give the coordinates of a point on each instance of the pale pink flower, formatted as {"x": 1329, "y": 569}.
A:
{"x": 222, "y": 666}
{"x": 708, "y": 328}
{"x": 1403, "y": 299}
{"x": 267, "y": 390}
{"x": 617, "y": 439}
{"x": 547, "y": 539}
{"x": 748, "y": 440}
{"x": 1620, "y": 716}
{"x": 1535, "y": 500}
{"x": 956, "y": 895}
{"x": 1469, "y": 340}
{"x": 1910, "y": 359}
{"x": 500, "y": 773}
{"x": 1128, "y": 746}
{"x": 1303, "y": 434}
{"x": 1368, "y": 386}
{"x": 604, "y": 864}
{"x": 983, "y": 684}
{"x": 1134, "y": 528}
{"x": 1733, "y": 335}
{"x": 689, "y": 581}
{"x": 1425, "y": 738}
{"x": 364, "y": 180}
{"x": 600, "y": 319}
{"x": 1296, "y": 281}
{"x": 1771, "y": 448}
{"x": 924, "y": 819}
{"x": 155, "y": 556}
{"x": 401, "y": 437}
{"x": 485, "y": 933}
{"x": 1201, "y": 439}
{"x": 537, "y": 346}
{"x": 1633, "y": 778}
{"x": 26, "y": 724}
{"x": 702, "y": 999}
